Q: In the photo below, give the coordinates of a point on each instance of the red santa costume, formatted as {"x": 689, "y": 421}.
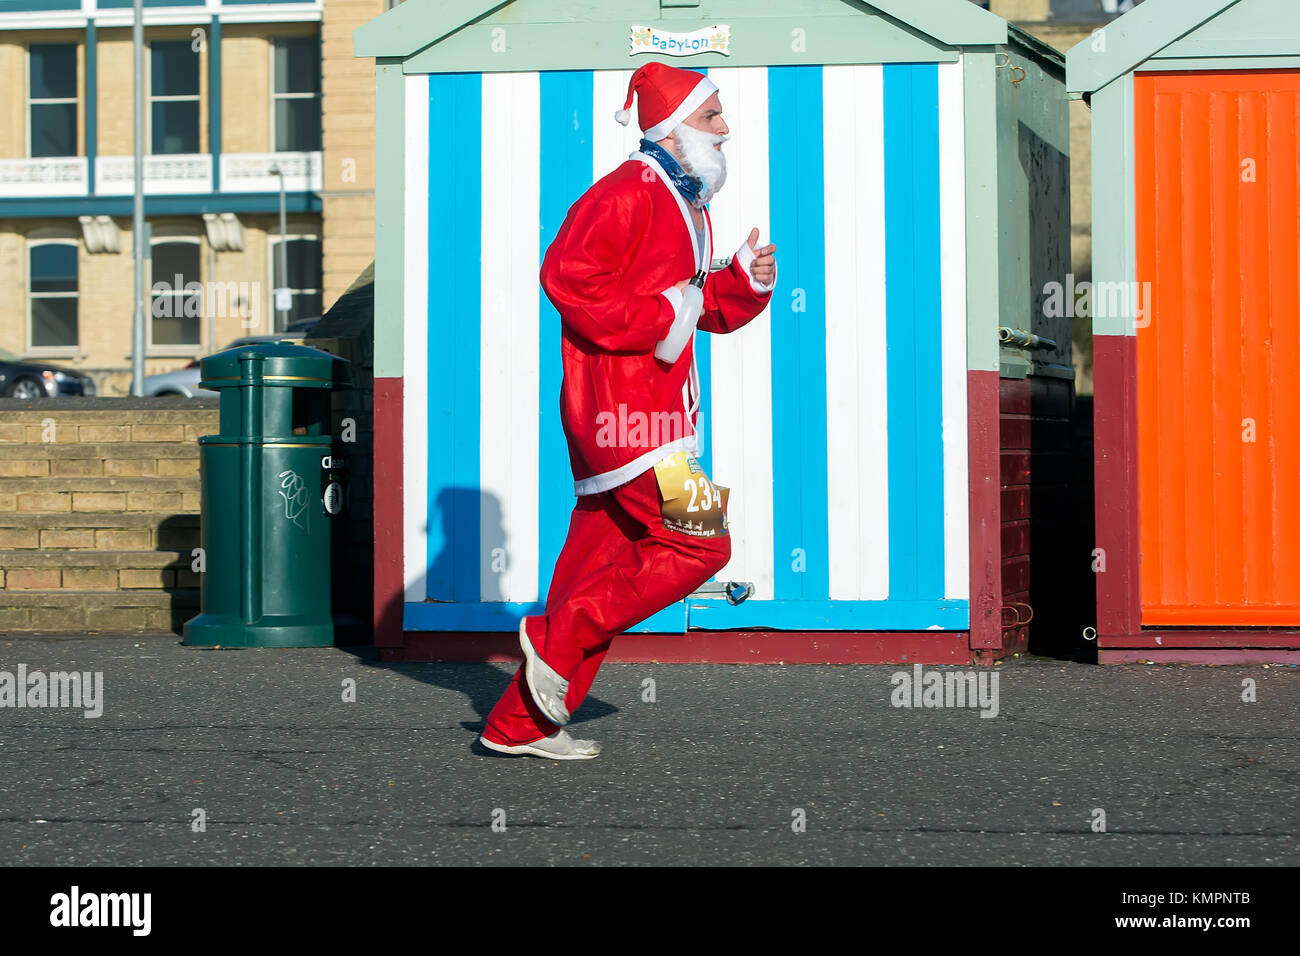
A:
{"x": 611, "y": 274}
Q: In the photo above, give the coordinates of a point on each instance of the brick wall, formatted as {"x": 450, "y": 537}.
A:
{"x": 99, "y": 503}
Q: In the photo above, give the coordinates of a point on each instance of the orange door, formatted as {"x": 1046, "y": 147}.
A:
{"x": 1218, "y": 348}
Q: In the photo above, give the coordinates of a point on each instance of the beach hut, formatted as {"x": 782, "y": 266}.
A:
{"x": 911, "y": 162}
{"x": 1196, "y": 329}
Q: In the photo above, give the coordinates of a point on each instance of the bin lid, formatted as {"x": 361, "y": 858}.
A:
{"x": 283, "y": 364}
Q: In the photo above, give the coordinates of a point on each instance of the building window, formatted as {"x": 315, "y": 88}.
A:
{"x": 295, "y": 96}
{"x": 176, "y": 297}
{"x": 304, "y": 285}
{"x": 173, "y": 97}
{"x": 52, "y": 99}
{"x": 52, "y": 294}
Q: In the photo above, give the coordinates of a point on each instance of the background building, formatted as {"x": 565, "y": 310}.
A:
{"x": 348, "y": 137}
{"x": 233, "y": 92}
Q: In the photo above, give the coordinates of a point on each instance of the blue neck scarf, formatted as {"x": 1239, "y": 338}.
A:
{"x": 685, "y": 183}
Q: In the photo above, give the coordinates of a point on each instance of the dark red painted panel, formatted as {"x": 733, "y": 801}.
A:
{"x": 389, "y": 584}
{"x": 983, "y": 443}
{"x": 717, "y": 647}
{"x": 1015, "y": 574}
{"x": 1015, "y": 504}
{"x": 1016, "y": 396}
{"x": 1015, "y": 538}
{"x": 1115, "y": 458}
{"x": 1015, "y": 467}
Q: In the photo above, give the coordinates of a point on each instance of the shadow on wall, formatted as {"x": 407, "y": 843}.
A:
{"x": 348, "y": 330}
{"x": 471, "y": 526}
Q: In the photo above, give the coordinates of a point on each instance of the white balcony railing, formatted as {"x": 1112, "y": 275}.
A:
{"x": 169, "y": 175}
{"x": 49, "y": 176}
{"x": 251, "y": 172}
{"x": 172, "y": 174}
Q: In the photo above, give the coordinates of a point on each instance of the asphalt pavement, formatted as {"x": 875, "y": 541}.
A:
{"x": 254, "y": 757}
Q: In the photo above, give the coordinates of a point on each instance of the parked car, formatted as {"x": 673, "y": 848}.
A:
{"x": 31, "y": 379}
{"x": 185, "y": 381}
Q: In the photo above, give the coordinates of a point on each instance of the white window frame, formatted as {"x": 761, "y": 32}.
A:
{"x": 183, "y": 349}
{"x": 51, "y": 350}
{"x": 183, "y": 98}
{"x": 53, "y": 101}
{"x": 274, "y": 45}
{"x": 273, "y": 246}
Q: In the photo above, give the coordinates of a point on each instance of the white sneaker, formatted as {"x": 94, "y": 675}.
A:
{"x": 558, "y": 746}
{"x": 547, "y": 687}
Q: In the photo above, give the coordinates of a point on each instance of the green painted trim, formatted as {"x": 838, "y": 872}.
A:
{"x": 1114, "y": 196}
{"x": 1045, "y": 55}
{"x": 1033, "y": 163}
{"x": 1251, "y": 28}
{"x": 1224, "y": 63}
{"x": 956, "y": 24}
{"x": 861, "y": 38}
{"x": 415, "y": 24}
{"x": 412, "y": 27}
{"x": 983, "y": 293}
{"x": 1134, "y": 38}
{"x": 1198, "y": 46}
{"x": 390, "y": 220}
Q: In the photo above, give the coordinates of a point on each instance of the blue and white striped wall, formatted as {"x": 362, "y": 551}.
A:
{"x": 837, "y": 417}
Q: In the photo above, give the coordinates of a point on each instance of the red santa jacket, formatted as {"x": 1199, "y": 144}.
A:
{"x": 611, "y": 273}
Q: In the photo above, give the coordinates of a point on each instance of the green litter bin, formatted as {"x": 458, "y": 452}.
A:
{"x": 273, "y": 485}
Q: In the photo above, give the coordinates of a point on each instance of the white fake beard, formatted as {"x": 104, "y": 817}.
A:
{"x": 701, "y": 159}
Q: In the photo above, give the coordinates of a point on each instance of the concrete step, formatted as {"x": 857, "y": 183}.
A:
{"x": 101, "y": 450}
{"x": 79, "y": 612}
{"x": 115, "y": 460}
{"x": 52, "y": 427}
{"x": 99, "y": 493}
{"x": 105, "y": 531}
{"x": 88, "y": 570}
{"x": 21, "y": 419}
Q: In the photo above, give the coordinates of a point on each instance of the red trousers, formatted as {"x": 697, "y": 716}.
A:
{"x": 619, "y": 565}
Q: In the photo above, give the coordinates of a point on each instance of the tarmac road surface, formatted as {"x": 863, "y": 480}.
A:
{"x": 720, "y": 768}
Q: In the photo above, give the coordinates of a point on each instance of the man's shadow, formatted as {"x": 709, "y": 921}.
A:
{"x": 475, "y": 549}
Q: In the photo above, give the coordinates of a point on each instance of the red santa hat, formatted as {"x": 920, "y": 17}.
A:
{"x": 666, "y": 95}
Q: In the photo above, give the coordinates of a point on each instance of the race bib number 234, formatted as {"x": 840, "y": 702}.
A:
{"x": 691, "y": 503}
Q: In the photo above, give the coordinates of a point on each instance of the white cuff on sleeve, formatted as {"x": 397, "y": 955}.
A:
{"x": 745, "y": 256}
{"x": 674, "y": 297}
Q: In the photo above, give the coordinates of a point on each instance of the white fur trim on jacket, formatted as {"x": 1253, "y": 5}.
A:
{"x": 745, "y": 256}
{"x": 674, "y": 296}
{"x": 635, "y": 468}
